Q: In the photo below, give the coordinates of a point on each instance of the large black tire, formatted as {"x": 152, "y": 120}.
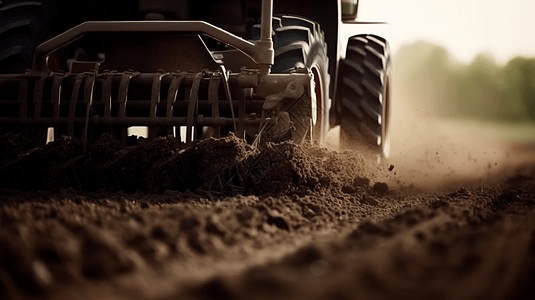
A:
{"x": 299, "y": 43}
{"x": 363, "y": 101}
{"x": 23, "y": 26}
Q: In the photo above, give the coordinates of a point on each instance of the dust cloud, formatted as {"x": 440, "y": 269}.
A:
{"x": 429, "y": 151}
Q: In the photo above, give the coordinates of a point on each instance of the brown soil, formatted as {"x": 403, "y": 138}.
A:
{"x": 221, "y": 220}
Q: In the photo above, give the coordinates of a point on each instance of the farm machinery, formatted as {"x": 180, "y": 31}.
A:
{"x": 194, "y": 69}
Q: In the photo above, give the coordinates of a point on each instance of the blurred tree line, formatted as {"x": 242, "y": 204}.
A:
{"x": 482, "y": 89}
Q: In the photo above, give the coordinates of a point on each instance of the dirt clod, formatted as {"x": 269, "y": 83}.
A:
{"x": 380, "y": 187}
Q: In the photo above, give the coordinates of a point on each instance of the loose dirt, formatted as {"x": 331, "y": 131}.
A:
{"x": 221, "y": 220}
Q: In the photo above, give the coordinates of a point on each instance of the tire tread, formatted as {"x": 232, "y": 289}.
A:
{"x": 362, "y": 88}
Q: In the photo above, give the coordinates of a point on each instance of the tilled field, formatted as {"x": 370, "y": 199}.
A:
{"x": 220, "y": 220}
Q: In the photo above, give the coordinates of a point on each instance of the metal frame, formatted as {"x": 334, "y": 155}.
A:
{"x": 261, "y": 52}
{"x": 86, "y": 76}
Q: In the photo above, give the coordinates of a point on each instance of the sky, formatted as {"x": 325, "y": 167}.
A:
{"x": 503, "y": 29}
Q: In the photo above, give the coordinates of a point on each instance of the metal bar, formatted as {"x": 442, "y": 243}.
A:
{"x": 194, "y": 96}
{"x": 158, "y": 27}
{"x": 265, "y": 44}
{"x": 155, "y": 99}
{"x": 130, "y": 121}
{"x": 72, "y": 104}
{"x": 171, "y": 97}
{"x": 213, "y": 95}
{"x": 140, "y": 79}
{"x": 204, "y": 104}
{"x": 266, "y": 27}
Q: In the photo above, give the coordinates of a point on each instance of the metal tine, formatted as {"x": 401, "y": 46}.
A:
{"x": 88, "y": 100}
{"x": 38, "y": 103}
{"x": 56, "y": 98}
{"x": 123, "y": 98}
{"x": 258, "y": 138}
{"x": 224, "y": 76}
{"x": 106, "y": 95}
{"x": 72, "y": 104}
{"x": 155, "y": 99}
{"x": 213, "y": 95}
{"x": 241, "y": 117}
{"x": 23, "y": 101}
{"x": 194, "y": 96}
{"x": 171, "y": 97}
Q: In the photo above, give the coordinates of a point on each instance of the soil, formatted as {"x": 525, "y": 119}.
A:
{"x": 221, "y": 220}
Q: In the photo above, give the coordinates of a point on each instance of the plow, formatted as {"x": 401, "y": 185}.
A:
{"x": 183, "y": 76}
{"x": 86, "y": 99}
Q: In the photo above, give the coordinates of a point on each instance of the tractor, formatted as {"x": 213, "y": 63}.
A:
{"x": 267, "y": 71}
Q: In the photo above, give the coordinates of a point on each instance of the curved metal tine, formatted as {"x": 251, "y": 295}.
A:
{"x": 23, "y": 102}
{"x": 106, "y": 96}
{"x": 224, "y": 76}
{"x": 194, "y": 97}
{"x": 213, "y": 100}
{"x": 56, "y": 98}
{"x": 72, "y": 104}
{"x": 38, "y": 95}
{"x": 38, "y": 103}
{"x": 258, "y": 137}
{"x": 155, "y": 99}
{"x": 241, "y": 116}
{"x": 88, "y": 100}
{"x": 122, "y": 98}
{"x": 171, "y": 96}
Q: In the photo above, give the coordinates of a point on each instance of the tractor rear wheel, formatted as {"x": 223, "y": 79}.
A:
{"x": 23, "y": 26}
{"x": 363, "y": 106}
{"x": 300, "y": 43}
